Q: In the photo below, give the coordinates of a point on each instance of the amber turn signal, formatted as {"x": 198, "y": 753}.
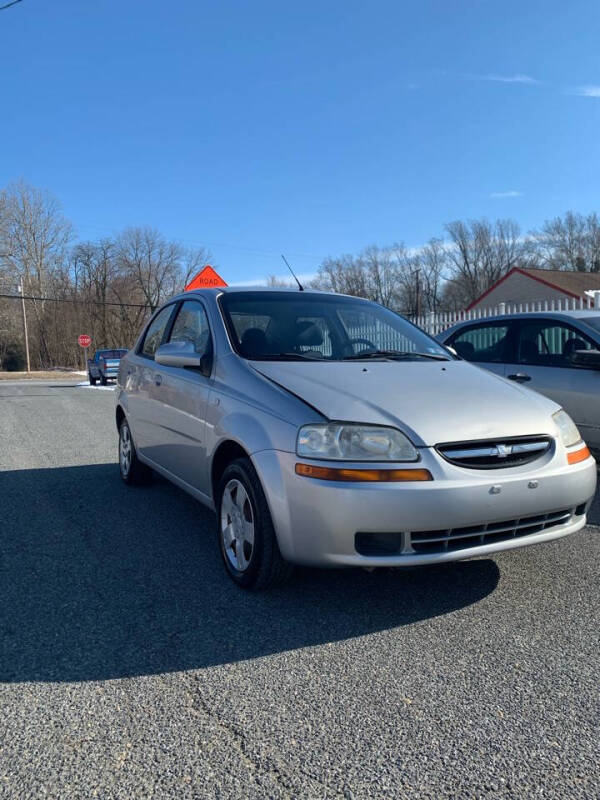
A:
{"x": 361, "y": 475}
{"x": 578, "y": 455}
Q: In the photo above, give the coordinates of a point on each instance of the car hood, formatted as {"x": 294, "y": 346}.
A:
{"x": 432, "y": 402}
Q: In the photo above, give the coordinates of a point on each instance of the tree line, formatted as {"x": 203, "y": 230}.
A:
{"x": 451, "y": 271}
{"x": 107, "y": 287}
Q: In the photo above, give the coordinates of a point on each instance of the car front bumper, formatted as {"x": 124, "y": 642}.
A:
{"x": 469, "y": 512}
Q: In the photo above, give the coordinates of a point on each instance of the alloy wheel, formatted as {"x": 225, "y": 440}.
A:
{"x": 237, "y": 525}
{"x": 125, "y": 450}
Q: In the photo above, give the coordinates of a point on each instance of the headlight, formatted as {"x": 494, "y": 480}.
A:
{"x": 349, "y": 442}
{"x": 569, "y": 434}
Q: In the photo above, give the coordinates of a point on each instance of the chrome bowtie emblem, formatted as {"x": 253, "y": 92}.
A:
{"x": 502, "y": 450}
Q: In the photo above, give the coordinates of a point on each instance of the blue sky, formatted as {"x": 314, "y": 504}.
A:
{"x": 308, "y": 128}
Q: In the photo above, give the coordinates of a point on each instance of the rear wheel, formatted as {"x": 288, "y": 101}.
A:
{"x": 103, "y": 379}
{"x": 247, "y": 538}
{"x": 132, "y": 470}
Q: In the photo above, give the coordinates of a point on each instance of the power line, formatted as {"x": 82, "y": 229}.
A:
{"x": 8, "y": 5}
{"x": 69, "y": 300}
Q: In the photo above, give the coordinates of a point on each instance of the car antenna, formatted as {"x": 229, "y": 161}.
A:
{"x": 300, "y": 287}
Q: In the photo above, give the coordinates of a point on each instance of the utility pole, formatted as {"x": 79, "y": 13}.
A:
{"x": 418, "y": 293}
{"x": 25, "y": 326}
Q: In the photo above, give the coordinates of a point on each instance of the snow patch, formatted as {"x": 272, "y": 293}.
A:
{"x": 86, "y": 385}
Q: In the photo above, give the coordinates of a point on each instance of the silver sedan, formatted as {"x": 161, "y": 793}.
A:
{"x": 327, "y": 430}
{"x": 556, "y": 353}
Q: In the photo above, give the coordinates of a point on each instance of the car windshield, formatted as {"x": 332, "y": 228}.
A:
{"x": 593, "y": 322}
{"x": 295, "y": 326}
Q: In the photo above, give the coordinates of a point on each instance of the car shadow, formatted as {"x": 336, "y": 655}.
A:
{"x": 100, "y": 580}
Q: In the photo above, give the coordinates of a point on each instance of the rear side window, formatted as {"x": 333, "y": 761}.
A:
{"x": 155, "y": 332}
{"x": 546, "y": 343}
{"x": 486, "y": 343}
{"x": 191, "y": 325}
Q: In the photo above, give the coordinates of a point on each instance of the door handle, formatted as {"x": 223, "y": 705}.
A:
{"x": 158, "y": 380}
{"x": 519, "y": 377}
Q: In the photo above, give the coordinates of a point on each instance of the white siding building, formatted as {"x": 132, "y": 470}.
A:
{"x": 528, "y": 285}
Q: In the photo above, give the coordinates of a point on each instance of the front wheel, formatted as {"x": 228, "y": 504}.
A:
{"x": 132, "y": 470}
{"x": 247, "y": 538}
{"x": 92, "y": 380}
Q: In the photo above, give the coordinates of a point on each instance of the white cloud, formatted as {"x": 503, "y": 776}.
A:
{"x": 587, "y": 91}
{"x": 518, "y": 78}
{"x": 509, "y": 193}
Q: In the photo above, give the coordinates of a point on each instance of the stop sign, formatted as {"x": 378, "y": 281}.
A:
{"x": 84, "y": 340}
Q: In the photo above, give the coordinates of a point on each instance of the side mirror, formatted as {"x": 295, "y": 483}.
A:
{"x": 586, "y": 358}
{"x": 182, "y": 354}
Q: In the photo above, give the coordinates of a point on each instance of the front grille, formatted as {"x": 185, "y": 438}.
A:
{"x": 495, "y": 453}
{"x": 475, "y": 535}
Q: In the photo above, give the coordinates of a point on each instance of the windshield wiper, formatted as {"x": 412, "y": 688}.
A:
{"x": 394, "y": 354}
{"x": 286, "y": 357}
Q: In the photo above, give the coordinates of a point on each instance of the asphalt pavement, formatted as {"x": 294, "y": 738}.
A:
{"x": 131, "y": 667}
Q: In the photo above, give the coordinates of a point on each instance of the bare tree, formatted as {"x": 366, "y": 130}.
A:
{"x": 481, "y": 252}
{"x": 571, "y": 242}
{"x": 105, "y": 288}
{"x": 153, "y": 262}
{"x": 383, "y": 268}
{"x": 402, "y": 279}
{"x": 433, "y": 261}
{"x": 193, "y": 259}
{"x": 34, "y": 240}
{"x": 344, "y": 275}
{"x": 276, "y": 281}
{"x": 94, "y": 269}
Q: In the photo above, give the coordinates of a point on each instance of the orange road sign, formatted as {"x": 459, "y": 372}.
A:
{"x": 207, "y": 278}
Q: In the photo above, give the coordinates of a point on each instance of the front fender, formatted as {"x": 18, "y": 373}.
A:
{"x": 121, "y": 403}
{"x": 253, "y": 431}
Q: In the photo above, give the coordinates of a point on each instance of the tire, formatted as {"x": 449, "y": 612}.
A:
{"x": 133, "y": 472}
{"x": 92, "y": 380}
{"x": 102, "y": 379}
{"x": 245, "y": 531}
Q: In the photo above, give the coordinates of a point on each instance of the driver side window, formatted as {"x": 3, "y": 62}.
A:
{"x": 548, "y": 343}
{"x": 155, "y": 332}
{"x": 191, "y": 325}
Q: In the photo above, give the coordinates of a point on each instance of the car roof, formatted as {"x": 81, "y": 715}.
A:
{"x": 564, "y": 316}
{"x": 215, "y": 292}
{"x": 258, "y": 288}
{"x": 558, "y": 315}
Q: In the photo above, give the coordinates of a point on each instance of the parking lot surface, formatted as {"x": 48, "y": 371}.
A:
{"x": 130, "y": 666}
